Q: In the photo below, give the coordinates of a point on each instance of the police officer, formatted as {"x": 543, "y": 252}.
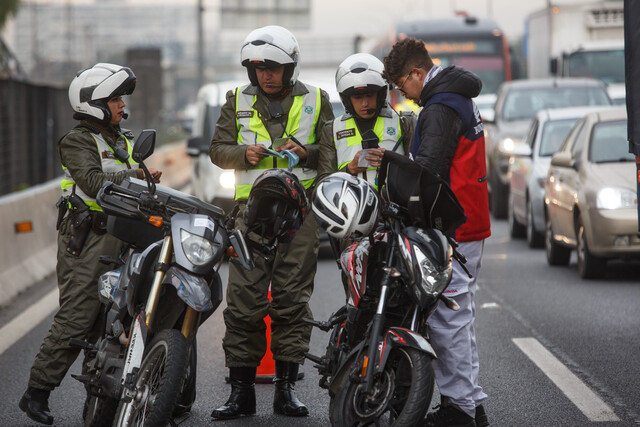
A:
{"x": 270, "y": 109}
{"x": 92, "y": 153}
{"x": 368, "y": 123}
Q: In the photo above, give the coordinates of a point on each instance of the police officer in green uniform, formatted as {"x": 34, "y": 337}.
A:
{"x": 92, "y": 153}
{"x": 369, "y": 123}
{"x": 272, "y": 107}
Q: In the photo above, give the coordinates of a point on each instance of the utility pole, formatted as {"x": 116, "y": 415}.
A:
{"x": 200, "y": 46}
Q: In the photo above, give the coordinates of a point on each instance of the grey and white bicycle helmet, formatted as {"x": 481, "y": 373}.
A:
{"x": 92, "y": 88}
{"x": 346, "y": 206}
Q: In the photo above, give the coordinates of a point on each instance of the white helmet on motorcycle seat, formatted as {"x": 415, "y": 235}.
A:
{"x": 361, "y": 73}
{"x": 92, "y": 88}
{"x": 346, "y": 206}
{"x": 271, "y": 46}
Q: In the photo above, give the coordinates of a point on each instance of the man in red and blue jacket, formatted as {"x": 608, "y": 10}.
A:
{"x": 449, "y": 138}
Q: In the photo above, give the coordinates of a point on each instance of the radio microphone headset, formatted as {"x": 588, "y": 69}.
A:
{"x": 125, "y": 116}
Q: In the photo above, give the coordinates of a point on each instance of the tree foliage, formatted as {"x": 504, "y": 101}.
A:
{"x": 7, "y": 8}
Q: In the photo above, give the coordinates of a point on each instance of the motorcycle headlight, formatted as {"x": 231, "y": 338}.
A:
{"x": 434, "y": 281}
{"x": 198, "y": 250}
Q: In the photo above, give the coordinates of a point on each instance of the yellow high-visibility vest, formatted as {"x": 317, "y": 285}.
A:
{"x": 301, "y": 123}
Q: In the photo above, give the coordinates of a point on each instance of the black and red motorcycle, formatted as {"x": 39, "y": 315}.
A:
{"x": 377, "y": 366}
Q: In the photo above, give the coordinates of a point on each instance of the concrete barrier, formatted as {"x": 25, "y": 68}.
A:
{"x": 28, "y": 257}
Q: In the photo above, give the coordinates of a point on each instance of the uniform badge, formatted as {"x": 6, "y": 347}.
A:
{"x": 391, "y": 131}
{"x": 106, "y": 154}
{"x": 308, "y": 109}
{"x": 345, "y": 133}
{"x": 244, "y": 114}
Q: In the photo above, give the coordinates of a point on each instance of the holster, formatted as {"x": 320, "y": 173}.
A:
{"x": 99, "y": 222}
{"x": 80, "y": 224}
{"x": 62, "y": 206}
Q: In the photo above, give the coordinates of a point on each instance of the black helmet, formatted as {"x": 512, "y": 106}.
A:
{"x": 277, "y": 205}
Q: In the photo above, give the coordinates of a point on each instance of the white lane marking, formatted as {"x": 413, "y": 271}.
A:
{"x": 494, "y": 256}
{"x": 27, "y": 320}
{"x": 577, "y": 391}
{"x": 490, "y": 305}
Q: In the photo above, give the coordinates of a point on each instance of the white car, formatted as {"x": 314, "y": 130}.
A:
{"x": 528, "y": 169}
{"x": 211, "y": 183}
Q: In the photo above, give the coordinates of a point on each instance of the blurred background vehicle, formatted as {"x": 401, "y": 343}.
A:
{"x": 475, "y": 43}
{"x": 591, "y": 204}
{"x": 210, "y": 182}
{"x": 528, "y": 169}
{"x": 516, "y": 104}
{"x": 485, "y": 104}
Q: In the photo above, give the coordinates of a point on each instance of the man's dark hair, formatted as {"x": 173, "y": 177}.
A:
{"x": 405, "y": 55}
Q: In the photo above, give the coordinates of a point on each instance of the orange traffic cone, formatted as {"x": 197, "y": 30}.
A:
{"x": 267, "y": 370}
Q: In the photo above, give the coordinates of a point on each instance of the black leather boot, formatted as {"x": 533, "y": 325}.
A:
{"x": 243, "y": 395}
{"x": 285, "y": 401}
{"x": 35, "y": 402}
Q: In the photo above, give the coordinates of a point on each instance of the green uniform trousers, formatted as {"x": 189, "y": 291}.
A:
{"x": 290, "y": 274}
{"x": 80, "y": 310}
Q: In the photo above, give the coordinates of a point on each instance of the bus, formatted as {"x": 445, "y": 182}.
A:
{"x": 477, "y": 44}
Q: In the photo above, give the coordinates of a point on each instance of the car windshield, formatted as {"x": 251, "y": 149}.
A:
{"x": 609, "y": 143}
{"x": 553, "y": 135}
{"x": 523, "y": 104}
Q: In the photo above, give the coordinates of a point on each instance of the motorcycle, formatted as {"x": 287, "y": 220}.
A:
{"x": 378, "y": 361}
{"x": 143, "y": 368}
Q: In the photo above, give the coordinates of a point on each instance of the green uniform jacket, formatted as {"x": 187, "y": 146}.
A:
{"x": 226, "y": 153}
{"x": 79, "y": 153}
{"x": 328, "y": 162}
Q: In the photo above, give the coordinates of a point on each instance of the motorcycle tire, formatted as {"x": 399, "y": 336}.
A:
{"x": 100, "y": 411}
{"x": 158, "y": 383}
{"x": 401, "y": 393}
{"x": 187, "y": 394}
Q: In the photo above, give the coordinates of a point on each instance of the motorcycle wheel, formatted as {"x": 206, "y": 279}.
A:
{"x": 400, "y": 395}
{"x": 100, "y": 411}
{"x": 158, "y": 384}
{"x": 187, "y": 394}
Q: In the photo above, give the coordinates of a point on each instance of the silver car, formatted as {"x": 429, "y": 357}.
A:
{"x": 517, "y": 103}
{"x": 528, "y": 169}
{"x": 590, "y": 197}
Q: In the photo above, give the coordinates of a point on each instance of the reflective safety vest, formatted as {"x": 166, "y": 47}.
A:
{"x": 109, "y": 164}
{"x": 301, "y": 123}
{"x": 348, "y": 140}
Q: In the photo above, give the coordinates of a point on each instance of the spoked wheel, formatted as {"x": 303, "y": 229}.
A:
{"x": 399, "y": 397}
{"x": 100, "y": 411}
{"x": 159, "y": 381}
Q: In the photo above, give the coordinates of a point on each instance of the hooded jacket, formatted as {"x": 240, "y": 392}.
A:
{"x": 449, "y": 139}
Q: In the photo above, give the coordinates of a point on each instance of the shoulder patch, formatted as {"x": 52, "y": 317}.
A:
{"x": 345, "y": 133}
{"x": 244, "y": 114}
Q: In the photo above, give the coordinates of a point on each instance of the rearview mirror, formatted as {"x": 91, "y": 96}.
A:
{"x": 562, "y": 159}
{"x": 194, "y": 146}
{"x": 521, "y": 150}
{"x": 144, "y": 146}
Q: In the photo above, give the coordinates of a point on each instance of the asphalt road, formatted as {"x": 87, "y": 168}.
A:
{"x": 554, "y": 350}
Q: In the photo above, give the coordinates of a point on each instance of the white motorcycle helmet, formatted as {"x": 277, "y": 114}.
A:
{"x": 92, "y": 88}
{"x": 346, "y": 206}
{"x": 361, "y": 73}
{"x": 271, "y": 45}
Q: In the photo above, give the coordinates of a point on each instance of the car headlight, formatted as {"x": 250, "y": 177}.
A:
{"x": 198, "y": 250}
{"x": 227, "y": 180}
{"x": 507, "y": 145}
{"x": 434, "y": 281}
{"x": 616, "y": 198}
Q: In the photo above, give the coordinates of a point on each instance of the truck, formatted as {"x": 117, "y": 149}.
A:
{"x": 577, "y": 39}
